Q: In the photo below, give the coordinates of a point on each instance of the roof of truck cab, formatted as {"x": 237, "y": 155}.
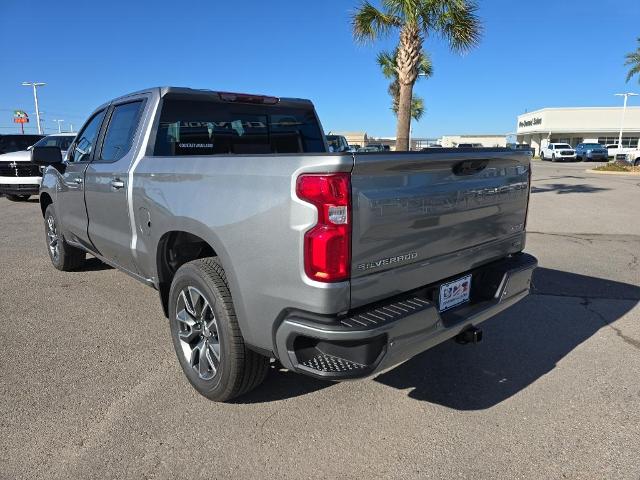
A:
{"x": 206, "y": 94}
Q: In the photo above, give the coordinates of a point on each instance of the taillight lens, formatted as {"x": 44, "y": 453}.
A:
{"x": 327, "y": 246}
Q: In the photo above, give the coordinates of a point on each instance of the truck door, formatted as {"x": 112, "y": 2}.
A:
{"x": 106, "y": 181}
{"x": 72, "y": 212}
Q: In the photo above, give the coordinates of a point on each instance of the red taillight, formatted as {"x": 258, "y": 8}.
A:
{"x": 327, "y": 246}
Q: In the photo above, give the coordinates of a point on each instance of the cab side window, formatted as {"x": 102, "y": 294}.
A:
{"x": 86, "y": 140}
{"x": 120, "y": 132}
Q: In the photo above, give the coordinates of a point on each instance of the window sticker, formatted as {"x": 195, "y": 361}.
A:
{"x": 237, "y": 126}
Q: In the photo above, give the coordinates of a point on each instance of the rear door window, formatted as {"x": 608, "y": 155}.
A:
{"x": 120, "y": 132}
{"x": 200, "y": 127}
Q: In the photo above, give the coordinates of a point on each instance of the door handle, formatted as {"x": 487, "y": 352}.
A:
{"x": 117, "y": 184}
{"x": 77, "y": 180}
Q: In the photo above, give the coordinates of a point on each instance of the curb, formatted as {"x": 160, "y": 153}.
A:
{"x": 601, "y": 172}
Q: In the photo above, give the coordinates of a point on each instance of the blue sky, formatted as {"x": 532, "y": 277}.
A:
{"x": 533, "y": 55}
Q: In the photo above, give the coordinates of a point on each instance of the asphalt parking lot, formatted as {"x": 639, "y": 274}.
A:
{"x": 90, "y": 387}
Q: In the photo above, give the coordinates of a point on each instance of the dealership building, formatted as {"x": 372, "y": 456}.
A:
{"x": 578, "y": 125}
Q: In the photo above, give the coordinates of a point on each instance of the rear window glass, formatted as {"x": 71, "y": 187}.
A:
{"x": 200, "y": 127}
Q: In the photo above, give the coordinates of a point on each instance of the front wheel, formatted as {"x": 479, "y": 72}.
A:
{"x": 63, "y": 256}
{"x": 637, "y": 162}
{"x": 206, "y": 335}
{"x": 542, "y": 156}
{"x": 18, "y": 198}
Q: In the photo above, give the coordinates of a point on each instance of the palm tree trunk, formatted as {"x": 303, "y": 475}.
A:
{"x": 404, "y": 117}
{"x": 407, "y": 59}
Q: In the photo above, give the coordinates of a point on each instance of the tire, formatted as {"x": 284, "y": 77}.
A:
{"x": 542, "y": 156}
{"x": 202, "y": 319}
{"x": 637, "y": 162}
{"x": 553, "y": 157}
{"x": 63, "y": 256}
{"x": 18, "y": 198}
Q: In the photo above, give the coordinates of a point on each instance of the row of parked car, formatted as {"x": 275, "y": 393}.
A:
{"x": 589, "y": 152}
{"x": 19, "y": 178}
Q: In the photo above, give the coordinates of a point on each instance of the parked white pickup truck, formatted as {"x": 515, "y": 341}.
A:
{"x": 557, "y": 151}
{"x": 19, "y": 178}
{"x": 630, "y": 156}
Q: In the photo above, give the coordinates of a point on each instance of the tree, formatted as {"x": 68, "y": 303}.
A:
{"x": 633, "y": 60}
{"x": 387, "y": 62}
{"x": 415, "y": 20}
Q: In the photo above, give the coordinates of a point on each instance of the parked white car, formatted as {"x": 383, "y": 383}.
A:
{"x": 557, "y": 152}
{"x": 630, "y": 156}
{"x": 19, "y": 178}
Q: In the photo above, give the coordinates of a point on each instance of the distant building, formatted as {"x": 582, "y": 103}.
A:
{"x": 578, "y": 125}
{"x": 497, "y": 140}
{"x": 362, "y": 139}
{"x": 353, "y": 138}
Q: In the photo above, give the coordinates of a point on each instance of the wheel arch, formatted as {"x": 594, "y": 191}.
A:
{"x": 179, "y": 246}
{"x": 45, "y": 201}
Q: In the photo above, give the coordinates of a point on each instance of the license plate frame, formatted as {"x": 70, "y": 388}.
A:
{"x": 454, "y": 293}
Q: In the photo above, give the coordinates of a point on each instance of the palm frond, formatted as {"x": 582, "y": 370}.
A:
{"x": 456, "y": 21}
{"x": 387, "y": 62}
{"x": 633, "y": 60}
{"x": 425, "y": 67}
{"x": 633, "y": 72}
{"x": 369, "y": 23}
{"x": 417, "y": 108}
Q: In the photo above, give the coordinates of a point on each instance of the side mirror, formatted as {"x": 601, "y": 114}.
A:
{"x": 46, "y": 156}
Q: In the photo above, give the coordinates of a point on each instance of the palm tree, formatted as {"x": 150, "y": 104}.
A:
{"x": 633, "y": 60}
{"x": 454, "y": 20}
{"x": 387, "y": 62}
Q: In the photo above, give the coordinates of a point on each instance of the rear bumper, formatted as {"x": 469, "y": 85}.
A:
{"x": 379, "y": 336}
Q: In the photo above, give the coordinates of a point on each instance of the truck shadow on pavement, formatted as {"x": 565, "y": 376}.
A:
{"x": 520, "y": 345}
{"x": 93, "y": 264}
{"x": 563, "y": 188}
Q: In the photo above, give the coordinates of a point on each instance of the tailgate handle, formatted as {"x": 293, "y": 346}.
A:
{"x": 470, "y": 167}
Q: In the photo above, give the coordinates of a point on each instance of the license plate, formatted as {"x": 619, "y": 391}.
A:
{"x": 454, "y": 293}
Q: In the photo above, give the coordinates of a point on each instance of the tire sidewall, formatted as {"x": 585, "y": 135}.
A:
{"x": 50, "y": 212}
{"x": 190, "y": 275}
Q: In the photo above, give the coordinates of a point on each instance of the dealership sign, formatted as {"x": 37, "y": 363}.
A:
{"x": 20, "y": 117}
{"x": 530, "y": 123}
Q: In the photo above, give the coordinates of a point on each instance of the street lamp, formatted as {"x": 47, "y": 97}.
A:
{"x": 58, "y": 122}
{"x": 624, "y": 109}
{"x": 35, "y": 86}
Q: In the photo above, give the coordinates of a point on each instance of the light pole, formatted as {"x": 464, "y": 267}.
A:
{"x": 624, "y": 110}
{"x": 35, "y": 86}
{"x": 58, "y": 122}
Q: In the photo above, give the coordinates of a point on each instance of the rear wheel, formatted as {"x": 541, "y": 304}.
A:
{"x": 63, "y": 256}
{"x": 18, "y": 198}
{"x": 206, "y": 335}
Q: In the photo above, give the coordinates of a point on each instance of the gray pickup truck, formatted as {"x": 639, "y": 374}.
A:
{"x": 263, "y": 245}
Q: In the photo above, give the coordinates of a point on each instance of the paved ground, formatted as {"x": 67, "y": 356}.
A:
{"x": 89, "y": 387}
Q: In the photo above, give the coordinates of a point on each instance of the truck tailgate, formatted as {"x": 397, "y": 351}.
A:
{"x": 422, "y": 217}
